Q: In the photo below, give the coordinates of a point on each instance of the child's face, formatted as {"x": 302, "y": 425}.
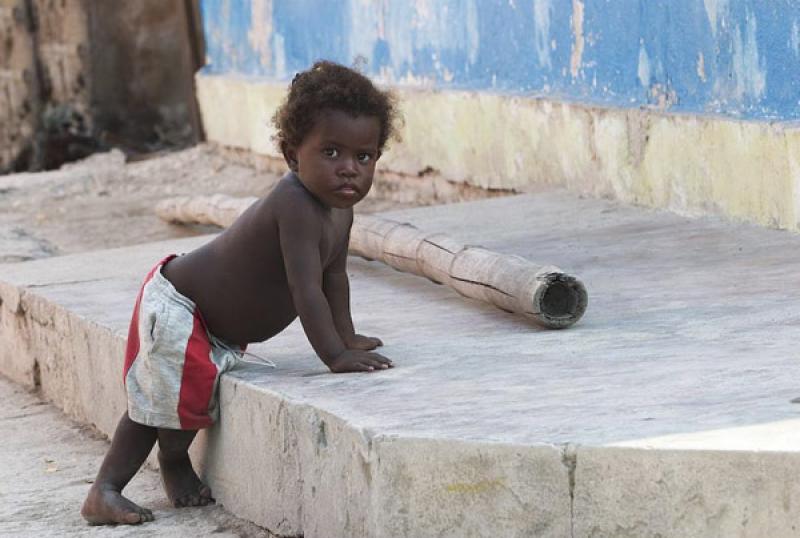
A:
{"x": 336, "y": 160}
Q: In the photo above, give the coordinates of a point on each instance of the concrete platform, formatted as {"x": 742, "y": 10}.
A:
{"x": 665, "y": 412}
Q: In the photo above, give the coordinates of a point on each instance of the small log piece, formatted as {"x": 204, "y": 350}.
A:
{"x": 545, "y": 294}
{"x": 542, "y": 293}
{"x": 217, "y": 209}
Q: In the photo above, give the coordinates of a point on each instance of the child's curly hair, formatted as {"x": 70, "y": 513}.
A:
{"x": 328, "y": 85}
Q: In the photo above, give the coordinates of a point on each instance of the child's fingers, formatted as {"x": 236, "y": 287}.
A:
{"x": 366, "y": 343}
{"x": 378, "y": 357}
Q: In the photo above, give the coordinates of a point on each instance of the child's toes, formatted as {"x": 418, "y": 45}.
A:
{"x": 200, "y": 498}
{"x": 131, "y": 518}
{"x": 129, "y": 514}
{"x": 205, "y": 492}
{"x": 146, "y": 515}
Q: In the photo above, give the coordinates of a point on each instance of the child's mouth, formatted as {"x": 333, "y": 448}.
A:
{"x": 347, "y": 190}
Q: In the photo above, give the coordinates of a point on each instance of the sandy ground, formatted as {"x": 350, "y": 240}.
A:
{"x": 104, "y": 202}
{"x": 47, "y": 465}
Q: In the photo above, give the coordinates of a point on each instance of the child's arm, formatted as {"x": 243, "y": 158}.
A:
{"x": 336, "y": 287}
{"x": 300, "y": 230}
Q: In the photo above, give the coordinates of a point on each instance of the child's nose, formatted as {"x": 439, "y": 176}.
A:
{"x": 349, "y": 167}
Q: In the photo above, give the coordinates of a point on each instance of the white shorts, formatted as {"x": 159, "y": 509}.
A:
{"x": 172, "y": 363}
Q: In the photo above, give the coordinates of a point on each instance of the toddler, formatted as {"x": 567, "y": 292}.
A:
{"x": 285, "y": 257}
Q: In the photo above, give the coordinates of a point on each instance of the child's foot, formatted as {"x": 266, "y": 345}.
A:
{"x": 183, "y": 486}
{"x": 109, "y": 507}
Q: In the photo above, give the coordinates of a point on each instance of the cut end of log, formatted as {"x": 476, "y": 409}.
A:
{"x": 561, "y": 302}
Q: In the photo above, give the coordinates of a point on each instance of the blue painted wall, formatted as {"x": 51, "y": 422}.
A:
{"x": 737, "y": 58}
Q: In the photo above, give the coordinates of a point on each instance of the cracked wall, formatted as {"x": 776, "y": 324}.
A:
{"x": 81, "y": 75}
{"x": 19, "y": 87}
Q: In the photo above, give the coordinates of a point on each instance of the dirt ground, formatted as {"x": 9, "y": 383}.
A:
{"x": 104, "y": 202}
{"x": 47, "y": 463}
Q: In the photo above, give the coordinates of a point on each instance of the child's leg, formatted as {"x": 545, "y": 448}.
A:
{"x": 183, "y": 486}
{"x": 105, "y": 504}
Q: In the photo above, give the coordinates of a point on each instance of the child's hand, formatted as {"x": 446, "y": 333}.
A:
{"x": 364, "y": 343}
{"x": 356, "y": 360}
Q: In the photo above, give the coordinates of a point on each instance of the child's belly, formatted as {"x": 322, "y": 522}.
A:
{"x": 240, "y": 304}
{"x": 247, "y": 318}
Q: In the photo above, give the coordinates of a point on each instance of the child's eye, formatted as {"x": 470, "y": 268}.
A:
{"x": 364, "y": 158}
{"x": 331, "y": 152}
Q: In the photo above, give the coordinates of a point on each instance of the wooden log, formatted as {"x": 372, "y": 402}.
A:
{"x": 216, "y": 209}
{"x": 542, "y": 293}
{"x": 436, "y": 254}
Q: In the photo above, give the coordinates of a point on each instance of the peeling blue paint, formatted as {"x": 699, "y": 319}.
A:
{"x": 738, "y": 58}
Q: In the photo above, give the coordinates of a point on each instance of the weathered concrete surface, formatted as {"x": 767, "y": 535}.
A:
{"x": 689, "y": 164}
{"x": 487, "y": 424}
{"x": 627, "y": 493}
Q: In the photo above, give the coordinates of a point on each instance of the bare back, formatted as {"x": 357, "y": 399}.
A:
{"x": 239, "y": 280}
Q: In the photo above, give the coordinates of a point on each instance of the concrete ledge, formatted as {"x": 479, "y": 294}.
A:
{"x": 72, "y": 361}
{"x": 634, "y": 493}
{"x": 692, "y": 165}
{"x": 301, "y": 469}
{"x": 665, "y": 412}
{"x": 291, "y": 467}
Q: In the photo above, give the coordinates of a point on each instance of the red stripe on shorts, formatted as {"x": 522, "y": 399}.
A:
{"x": 132, "y": 347}
{"x": 197, "y": 382}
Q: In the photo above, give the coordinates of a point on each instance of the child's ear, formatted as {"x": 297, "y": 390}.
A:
{"x": 290, "y": 156}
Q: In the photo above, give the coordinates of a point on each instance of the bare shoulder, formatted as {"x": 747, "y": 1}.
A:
{"x": 294, "y": 208}
{"x": 289, "y": 199}
{"x": 290, "y": 190}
